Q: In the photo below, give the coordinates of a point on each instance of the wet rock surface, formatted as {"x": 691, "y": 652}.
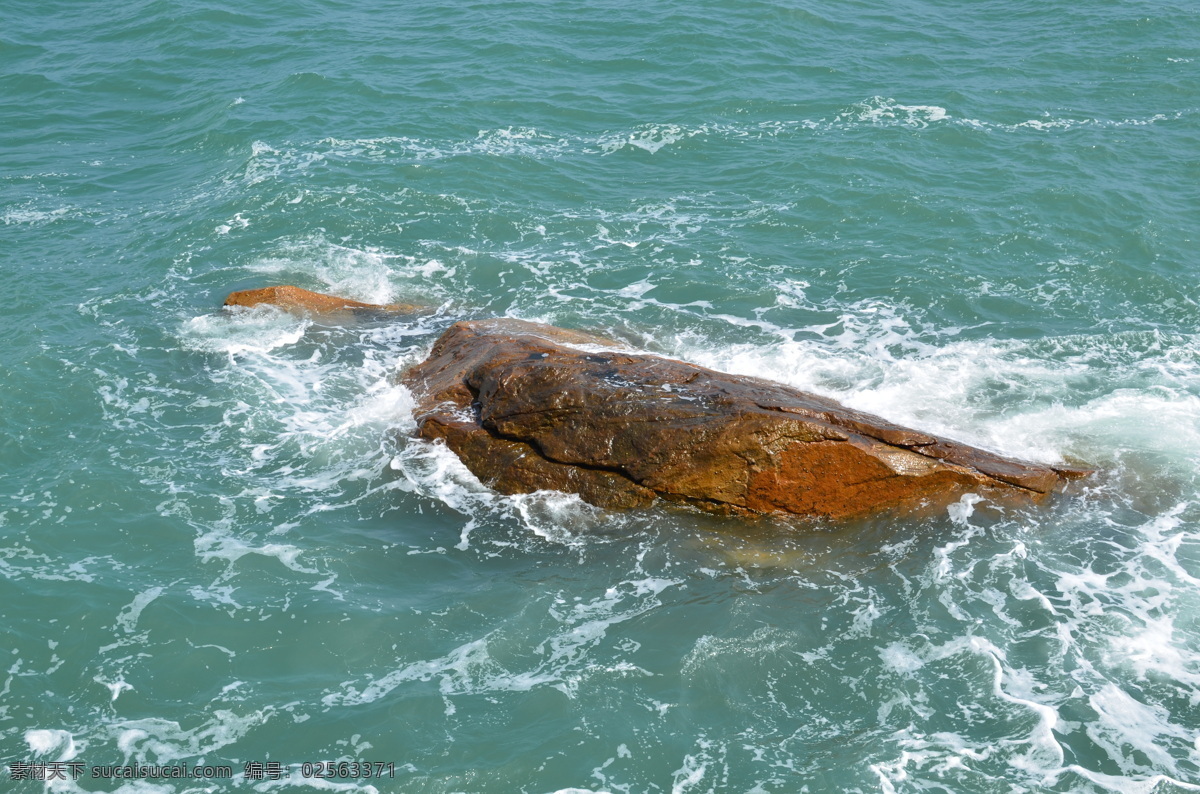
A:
{"x": 528, "y": 407}
{"x": 302, "y": 301}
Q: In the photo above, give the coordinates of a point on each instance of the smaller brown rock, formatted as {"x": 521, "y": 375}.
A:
{"x": 301, "y": 301}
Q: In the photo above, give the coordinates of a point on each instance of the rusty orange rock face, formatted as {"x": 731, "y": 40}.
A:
{"x": 527, "y": 409}
{"x": 302, "y": 301}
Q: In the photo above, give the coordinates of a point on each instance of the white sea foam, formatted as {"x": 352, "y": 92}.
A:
{"x": 1049, "y": 123}
{"x": 1128, "y": 728}
{"x": 690, "y": 775}
{"x": 127, "y": 620}
{"x": 900, "y": 658}
{"x": 882, "y": 363}
{"x": 366, "y": 274}
{"x": 161, "y": 741}
{"x": 466, "y": 669}
{"x": 256, "y": 330}
{"x": 236, "y": 222}
{"x": 562, "y": 658}
{"x": 498, "y": 142}
{"x": 296, "y": 779}
{"x": 115, "y": 687}
{"x": 1123, "y": 784}
{"x": 883, "y": 110}
{"x": 52, "y": 743}
{"x": 761, "y": 643}
{"x": 886, "y": 111}
{"x": 650, "y": 137}
{"x": 1125, "y": 722}
{"x": 30, "y": 216}
{"x": 961, "y": 511}
{"x": 435, "y": 471}
{"x": 560, "y": 517}
{"x": 508, "y": 141}
{"x": 17, "y": 562}
{"x": 266, "y": 163}
{"x": 219, "y": 545}
{"x": 284, "y": 162}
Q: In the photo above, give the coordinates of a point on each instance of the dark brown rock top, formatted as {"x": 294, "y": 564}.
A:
{"x": 530, "y": 407}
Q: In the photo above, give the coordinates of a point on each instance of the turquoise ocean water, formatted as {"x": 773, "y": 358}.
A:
{"x": 219, "y": 545}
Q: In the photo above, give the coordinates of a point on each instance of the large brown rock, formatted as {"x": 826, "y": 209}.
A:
{"x": 530, "y": 407}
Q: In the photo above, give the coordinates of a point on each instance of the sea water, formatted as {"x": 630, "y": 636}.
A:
{"x": 221, "y": 547}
